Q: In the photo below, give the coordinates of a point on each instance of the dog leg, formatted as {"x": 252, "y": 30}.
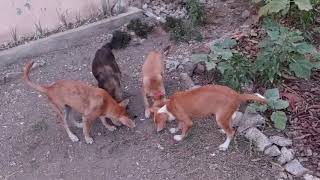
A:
{"x": 175, "y": 130}
{"x": 72, "y": 136}
{"x": 146, "y": 104}
{"x": 106, "y": 125}
{"x": 185, "y": 124}
{"x": 116, "y": 122}
{"x": 224, "y": 122}
{"x": 87, "y": 123}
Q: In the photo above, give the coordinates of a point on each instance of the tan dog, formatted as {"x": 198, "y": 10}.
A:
{"x": 92, "y": 102}
{"x": 152, "y": 70}
{"x": 201, "y": 102}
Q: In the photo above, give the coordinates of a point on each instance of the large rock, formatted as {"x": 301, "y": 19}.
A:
{"x": 259, "y": 139}
{"x": 280, "y": 141}
{"x": 286, "y": 155}
{"x": 272, "y": 151}
{"x": 294, "y": 167}
{"x": 249, "y": 120}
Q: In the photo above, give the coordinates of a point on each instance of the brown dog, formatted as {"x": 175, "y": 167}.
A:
{"x": 92, "y": 102}
{"x": 201, "y": 102}
{"x": 152, "y": 70}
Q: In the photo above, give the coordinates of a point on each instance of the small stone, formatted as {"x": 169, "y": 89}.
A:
{"x": 280, "y": 141}
{"x": 286, "y": 155}
{"x": 145, "y": 6}
{"x": 295, "y": 168}
{"x": 245, "y": 14}
{"x": 283, "y": 175}
{"x": 200, "y": 69}
{"x": 249, "y": 120}
{"x": 272, "y": 151}
{"x": 308, "y": 152}
{"x": 160, "y": 147}
{"x": 259, "y": 139}
{"x": 310, "y": 177}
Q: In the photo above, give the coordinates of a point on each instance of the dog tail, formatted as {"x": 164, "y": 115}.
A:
{"x": 253, "y": 97}
{"x": 26, "y": 71}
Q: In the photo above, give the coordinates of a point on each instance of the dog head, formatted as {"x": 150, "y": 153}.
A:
{"x": 161, "y": 116}
{"x": 123, "y": 116}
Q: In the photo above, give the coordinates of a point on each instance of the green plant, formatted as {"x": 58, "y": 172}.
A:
{"x": 282, "y": 54}
{"x": 182, "y": 31}
{"x": 282, "y": 6}
{"x": 275, "y": 105}
{"x": 235, "y": 68}
{"x": 139, "y": 28}
{"x": 120, "y": 39}
{"x": 196, "y": 12}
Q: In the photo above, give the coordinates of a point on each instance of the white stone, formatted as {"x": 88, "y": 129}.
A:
{"x": 295, "y": 168}
{"x": 272, "y": 151}
{"x": 280, "y": 141}
{"x": 260, "y": 140}
{"x": 286, "y": 155}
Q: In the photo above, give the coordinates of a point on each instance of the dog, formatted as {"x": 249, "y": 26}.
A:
{"x": 201, "y": 102}
{"x": 107, "y": 72}
{"x": 152, "y": 73}
{"x": 91, "y": 102}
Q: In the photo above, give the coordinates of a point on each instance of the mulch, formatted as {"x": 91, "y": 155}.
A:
{"x": 304, "y": 118}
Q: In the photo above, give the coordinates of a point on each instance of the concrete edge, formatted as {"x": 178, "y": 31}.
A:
{"x": 66, "y": 39}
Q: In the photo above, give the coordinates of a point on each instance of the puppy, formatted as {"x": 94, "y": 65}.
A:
{"x": 201, "y": 102}
{"x": 106, "y": 70}
{"x": 152, "y": 72}
{"x": 92, "y": 102}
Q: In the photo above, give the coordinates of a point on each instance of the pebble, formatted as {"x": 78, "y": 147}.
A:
{"x": 280, "y": 141}
{"x": 286, "y": 155}
{"x": 310, "y": 177}
{"x": 295, "y": 168}
{"x": 272, "y": 151}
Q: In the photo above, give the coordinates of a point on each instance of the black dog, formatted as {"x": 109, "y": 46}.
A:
{"x": 105, "y": 68}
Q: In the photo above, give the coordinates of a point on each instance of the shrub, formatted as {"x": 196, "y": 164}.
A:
{"x": 182, "y": 31}
{"x": 139, "y": 28}
{"x": 196, "y": 12}
{"x": 120, "y": 39}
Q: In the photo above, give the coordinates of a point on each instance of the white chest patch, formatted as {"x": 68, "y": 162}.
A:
{"x": 165, "y": 110}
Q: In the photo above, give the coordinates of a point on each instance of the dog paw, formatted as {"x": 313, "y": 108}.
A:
{"x": 177, "y": 137}
{"x": 222, "y": 131}
{"x": 112, "y": 128}
{"x": 147, "y": 113}
{"x": 173, "y": 130}
{"x": 223, "y": 147}
{"x": 89, "y": 140}
{"x": 73, "y": 138}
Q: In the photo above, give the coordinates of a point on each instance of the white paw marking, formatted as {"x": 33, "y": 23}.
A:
{"x": 173, "y": 130}
{"x": 111, "y": 128}
{"x": 89, "y": 140}
{"x": 165, "y": 110}
{"x": 147, "y": 113}
{"x": 73, "y": 138}
{"x": 223, "y": 147}
{"x": 222, "y": 131}
{"x": 177, "y": 137}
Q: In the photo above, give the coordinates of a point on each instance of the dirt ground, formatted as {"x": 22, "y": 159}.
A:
{"x": 34, "y": 145}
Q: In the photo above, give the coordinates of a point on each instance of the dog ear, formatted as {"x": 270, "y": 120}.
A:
{"x": 124, "y": 103}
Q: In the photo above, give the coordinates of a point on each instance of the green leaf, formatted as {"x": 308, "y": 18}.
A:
{"x": 280, "y": 104}
{"x": 223, "y": 53}
{"x": 274, "y": 6}
{"x": 280, "y": 119}
{"x": 301, "y": 68}
{"x": 303, "y": 4}
{"x": 304, "y": 48}
{"x": 223, "y": 66}
{"x": 210, "y": 65}
{"x": 272, "y": 94}
{"x": 199, "y": 57}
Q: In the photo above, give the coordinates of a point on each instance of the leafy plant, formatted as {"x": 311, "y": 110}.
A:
{"x": 140, "y": 28}
{"x": 196, "y": 12}
{"x": 235, "y": 68}
{"x": 283, "y": 53}
{"x": 182, "y": 31}
{"x": 120, "y": 39}
{"x": 275, "y": 105}
{"x": 283, "y": 6}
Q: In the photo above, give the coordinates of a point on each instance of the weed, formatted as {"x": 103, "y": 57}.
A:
{"x": 120, "y": 39}
{"x": 196, "y": 12}
{"x": 40, "y": 32}
{"x": 13, "y": 34}
{"x": 140, "y": 28}
{"x": 282, "y": 54}
{"x": 275, "y": 105}
{"x": 182, "y": 31}
{"x": 62, "y": 18}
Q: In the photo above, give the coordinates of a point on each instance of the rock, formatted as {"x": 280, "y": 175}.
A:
{"x": 250, "y": 120}
{"x": 283, "y": 175}
{"x": 187, "y": 80}
{"x": 199, "y": 69}
{"x": 308, "y": 152}
{"x": 172, "y": 65}
{"x": 201, "y": 50}
{"x": 272, "y": 151}
{"x": 145, "y": 7}
{"x": 237, "y": 120}
{"x": 245, "y": 14}
{"x": 280, "y": 141}
{"x": 120, "y": 7}
{"x": 310, "y": 177}
{"x": 12, "y": 75}
{"x": 259, "y": 139}
{"x": 286, "y": 155}
{"x": 295, "y": 168}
